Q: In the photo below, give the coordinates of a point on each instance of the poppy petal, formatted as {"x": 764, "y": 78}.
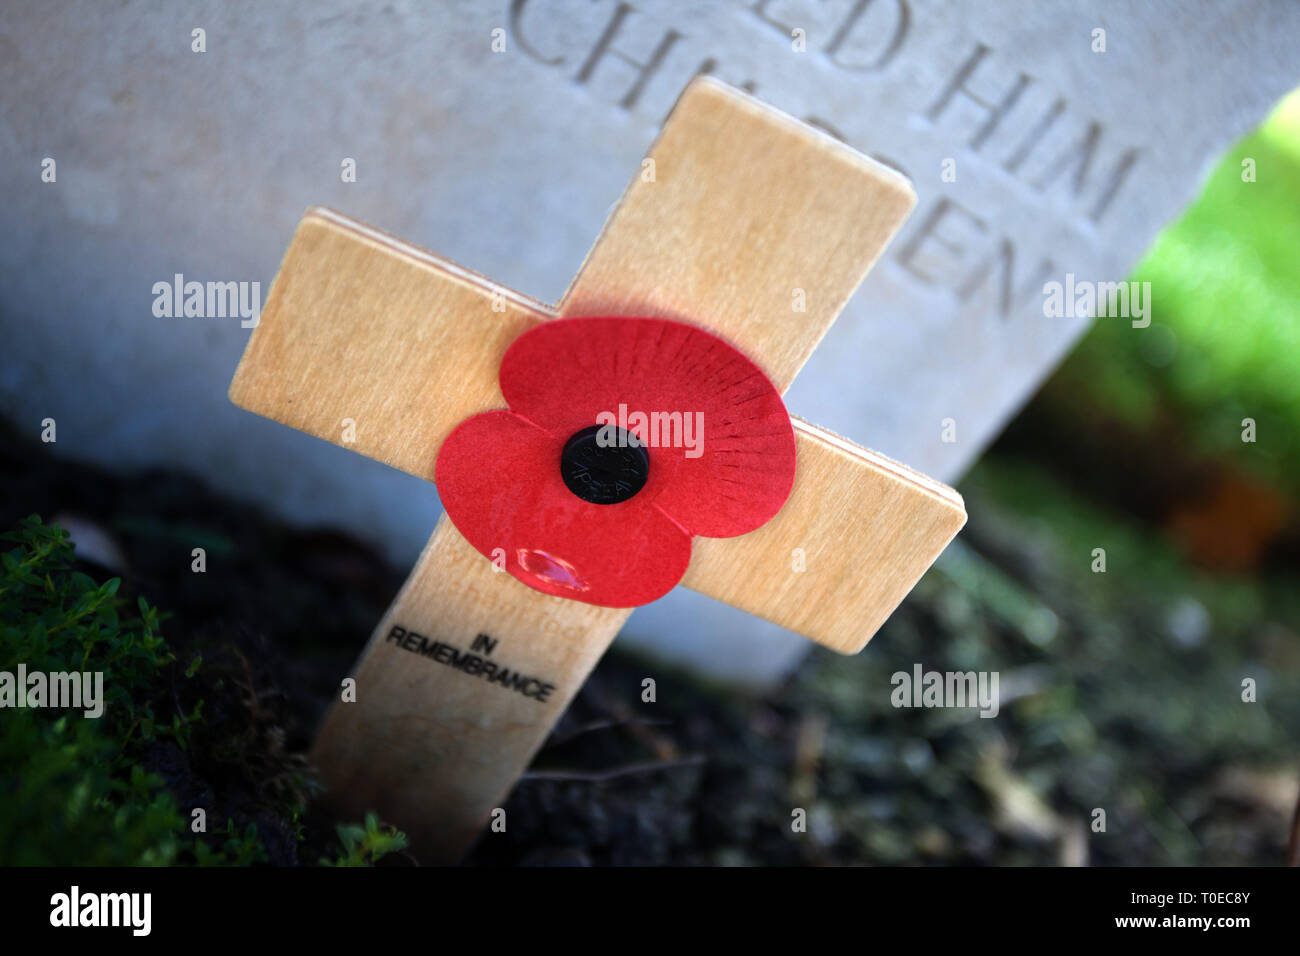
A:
{"x": 720, "y": 441}
{"x": 499, "y": 479}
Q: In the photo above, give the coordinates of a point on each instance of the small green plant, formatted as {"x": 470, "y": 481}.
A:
{"x": 234, "y": 849}
{"x": 74, "y": 790}
{"x": 364, "y": 844}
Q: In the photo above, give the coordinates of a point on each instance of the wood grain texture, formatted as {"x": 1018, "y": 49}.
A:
{"x": 855, "y": 536}
{"x": 433, "y": 747}
{"x": 747, "y": 205}
{"x": 359, "y": 325}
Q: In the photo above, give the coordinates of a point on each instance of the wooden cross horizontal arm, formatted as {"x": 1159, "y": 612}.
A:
{"x": 855, "y": 536}
{"x": 361, "y": 326}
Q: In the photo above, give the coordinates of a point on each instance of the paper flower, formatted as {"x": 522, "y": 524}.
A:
{"x": 624, "y": 438}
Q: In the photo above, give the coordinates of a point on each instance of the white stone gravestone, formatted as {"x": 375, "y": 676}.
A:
{"x": 143, "y": 148}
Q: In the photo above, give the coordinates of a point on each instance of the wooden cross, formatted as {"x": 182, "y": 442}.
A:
{"x": 746, "y": 210}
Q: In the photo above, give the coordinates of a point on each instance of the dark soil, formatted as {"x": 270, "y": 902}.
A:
{"x": 1106, "y": 705}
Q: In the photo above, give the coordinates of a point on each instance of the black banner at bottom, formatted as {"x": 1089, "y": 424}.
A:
{"x": 214, "y": 906}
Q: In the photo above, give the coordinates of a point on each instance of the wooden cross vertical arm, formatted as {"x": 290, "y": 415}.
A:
{"x": 745, "y": 207}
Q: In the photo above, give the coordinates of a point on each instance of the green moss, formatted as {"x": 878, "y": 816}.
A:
{"x": 74, "y": 789}
{"x": 73, "y": 792}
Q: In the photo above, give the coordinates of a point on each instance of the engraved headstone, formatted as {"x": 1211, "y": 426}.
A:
{"x": 143, "y": 149}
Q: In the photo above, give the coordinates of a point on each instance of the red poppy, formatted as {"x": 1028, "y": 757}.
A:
{"x": 624, "y": 438}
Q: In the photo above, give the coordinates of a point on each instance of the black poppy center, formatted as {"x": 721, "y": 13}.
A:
{"x": 604, "y": 464}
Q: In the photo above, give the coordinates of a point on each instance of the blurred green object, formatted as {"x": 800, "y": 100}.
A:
{"x": 1224, "y": 340}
